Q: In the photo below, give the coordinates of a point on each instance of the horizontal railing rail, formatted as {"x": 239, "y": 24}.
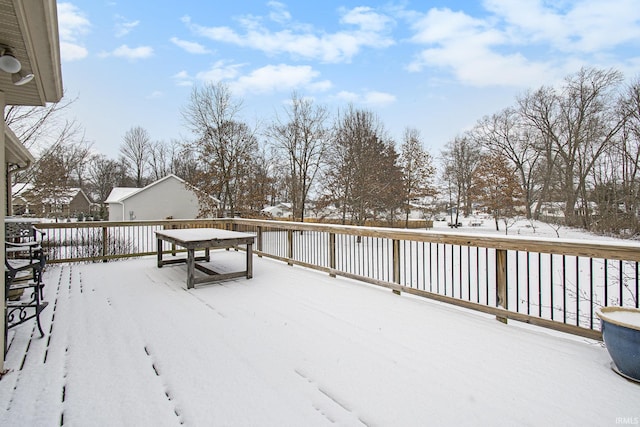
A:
{"x": 555, "y": 283}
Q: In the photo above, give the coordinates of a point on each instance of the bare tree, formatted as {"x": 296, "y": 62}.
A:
{"x": 578, "y": 124}
{"x": 262, "y": 189}
{"x": 506, "y": 134}
{"x": 45, "y": 132}
{"x": 104, "y": 175}
{"x": 301, "y": 139}
{"x": 364, "y": 177}
{"x": 629, "y": 149}
{"x": 417, "y": 170}
{"x": 496, "y": 187}
{"x": 167, "y": 158}
{"x": 59, "y": 147}
{"x": 135, "y": 149}
{"x": 38, "y": 127}
{"x": 460, "y": 157}
{"x": 537, "y": 109}
{"x": 616, "y": 176}
{"x": 53, "y": 174}
{"x": 224, "y": 145}
{"x": 184, "y": 163}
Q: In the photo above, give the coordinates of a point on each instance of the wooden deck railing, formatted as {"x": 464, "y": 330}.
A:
{"x": 554, "y": 283}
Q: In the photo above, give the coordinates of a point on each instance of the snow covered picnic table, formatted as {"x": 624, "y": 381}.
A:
{"x": 127, "y": 345}
{"x": 205, "y": 238}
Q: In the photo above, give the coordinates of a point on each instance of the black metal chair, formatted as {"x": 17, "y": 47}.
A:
{"x": 23, "y": 246}
{"x": 21, "y": 231}
{"x": 24, "y": 263}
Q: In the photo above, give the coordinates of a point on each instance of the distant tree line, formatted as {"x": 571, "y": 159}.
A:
{"x": 303, "y": 155}
{"x": 576, "y": 144}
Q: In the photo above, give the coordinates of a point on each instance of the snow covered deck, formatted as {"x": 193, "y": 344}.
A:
{"x": 127, "y": 344}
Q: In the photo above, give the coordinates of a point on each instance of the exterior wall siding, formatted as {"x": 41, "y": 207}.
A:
{"x": 78, "y": 205}
{"x": 169, "y": 198}
{"x": 115, "y": 212}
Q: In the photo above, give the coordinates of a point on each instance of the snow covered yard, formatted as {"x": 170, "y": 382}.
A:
{"x": 127, "y": 344}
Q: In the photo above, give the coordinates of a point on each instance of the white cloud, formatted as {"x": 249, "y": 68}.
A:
{"x": 445, "y": 25}
{"x": 378, "y": 99}
{"x": 368, "y": 98}
{"x": 156, "y": 94}
{"x": 191, "y": 47}
{"x": 504, "y": 47}
{"x": 220, "y": 71}
{"x": 132, "y": 53}
{"x": 302, "y": 42}
{"x": 583, "y": 26}
{"x": 183, "y": 78}
{"x": 366, "y": 18}
{"x": 124, "y": 27}
{"x": 348, "y": 97}
{"x": 279, "y": 12}
{"x": 72, "y": 51}
{"x": 267, "y": 79}
{"x": 71, "y": 25}
{"x": 277, "y": 78}
{"x": 321, "y": 86}
{"x": 472, "y": 50}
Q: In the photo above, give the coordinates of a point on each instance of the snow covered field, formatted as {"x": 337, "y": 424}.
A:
{"x": 127, "y": 344}
{"x": 521, "y": 227}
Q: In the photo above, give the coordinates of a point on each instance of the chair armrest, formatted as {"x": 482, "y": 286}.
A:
{"x": 22, "y": 246}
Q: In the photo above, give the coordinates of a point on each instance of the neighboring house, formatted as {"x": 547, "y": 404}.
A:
{"x": 281, "y": 210}
{"x": 21, "y": 203}
{"x": 68, "y": 202}
{"x": 71, "y": 202}
{"x": 325, "y": 212}
{"x": 552, "y": 210}
{"x": 169, "y": 197}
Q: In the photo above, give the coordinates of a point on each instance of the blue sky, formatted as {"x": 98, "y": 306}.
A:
{"x": 433, "y": 65}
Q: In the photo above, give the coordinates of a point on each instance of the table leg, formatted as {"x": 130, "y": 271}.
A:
{"x": 206, "y": 254}
{"x": 159, "y": 253}
{"x": 190, "y": 267}
{"x": 249, "y": 260}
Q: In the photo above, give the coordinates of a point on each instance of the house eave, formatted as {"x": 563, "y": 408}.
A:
{"x": 15, "y": 153}
{"x": 30, "y": 29}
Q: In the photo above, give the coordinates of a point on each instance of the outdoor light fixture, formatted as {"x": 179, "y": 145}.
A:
{"x": 8, "y": 62}
{"x": 20, "y": 79}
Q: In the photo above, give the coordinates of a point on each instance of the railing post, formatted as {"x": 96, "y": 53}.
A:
{"x": 501, "y": 282}
{"x": 290, "y": 246}
{"x": 332, "y": 254}
{"x": 259, "y": 242}
{"x": 396, "y": 264}
{"x": 105, "y": 244}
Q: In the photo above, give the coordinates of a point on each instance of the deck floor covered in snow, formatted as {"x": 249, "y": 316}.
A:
{"x": 127, "y": 344}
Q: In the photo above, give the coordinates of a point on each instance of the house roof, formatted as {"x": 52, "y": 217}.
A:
{"x": 120, "y": 194}
{"x": 15, "y": 152}
{"x": 66, "y": 196}
{"x": 20, "y": 188}
{"x": 271, "y": 209}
